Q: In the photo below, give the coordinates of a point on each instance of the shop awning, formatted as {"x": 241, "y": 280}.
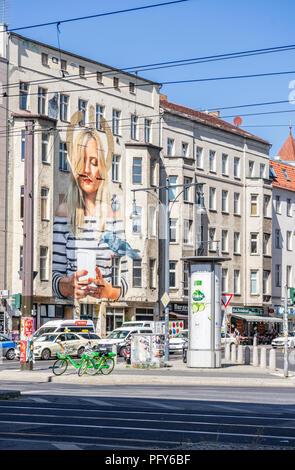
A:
{"x": 178, "y": 316}
{"x": 255, "y": 318}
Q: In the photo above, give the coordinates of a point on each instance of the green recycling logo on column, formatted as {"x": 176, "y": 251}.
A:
{"x": 198, "y": 296}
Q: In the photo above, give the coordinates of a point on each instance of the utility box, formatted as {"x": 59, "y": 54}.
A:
{"x": 147, "y": 350}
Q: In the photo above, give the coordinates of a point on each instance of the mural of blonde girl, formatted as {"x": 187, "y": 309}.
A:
{"x": 87, "y": 225}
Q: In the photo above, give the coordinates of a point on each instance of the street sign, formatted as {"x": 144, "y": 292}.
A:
{"x": 226, "y": 298}
{"x": 4, "y": 294}
{"x": 165, "y": 299}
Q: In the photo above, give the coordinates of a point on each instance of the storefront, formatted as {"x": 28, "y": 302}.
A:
{"x": 178, "y": 318}
{"x": 248, "y": 324}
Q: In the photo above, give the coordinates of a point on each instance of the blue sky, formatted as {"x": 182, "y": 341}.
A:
{"x": 186, "y": 30}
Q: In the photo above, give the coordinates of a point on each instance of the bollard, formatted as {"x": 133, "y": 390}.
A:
{"x": 247, "y": 355}
{"x": 227, "y": 351}
{"x": 114, "y": 350}
{"x": 255, "y": 356}
{"x": 263, "y": 358}
{"x": 233, "y": 353}
{"x": 272, "y": 359}
{"x": 240, "y": 354}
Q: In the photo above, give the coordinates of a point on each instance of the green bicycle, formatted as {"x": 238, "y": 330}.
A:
{"x": 62, "y": 363}
{"x": 95, "y": 362}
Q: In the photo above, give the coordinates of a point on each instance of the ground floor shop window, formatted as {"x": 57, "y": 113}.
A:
{"x": 143, "y": 314}
{"x": 114, "y": 318}
{"x": 86, "y": 311}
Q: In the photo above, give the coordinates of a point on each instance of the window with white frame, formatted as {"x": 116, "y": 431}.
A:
{"x": 173, "y": 230}
{"x": 224, "y": 241}
{"x": 116, "y": 271}
{"x": 44, "y": 58}
{"x": 116, "y": 168}
{"x": 278, "y": 275}
{"x": 237, "y": 245}
{"x": 224, "y": 164}
{"x": 152, "y": 221}
{"x": 147, "y": 130}
{"x": 289, "y": 240}
{"x": 236, "y": 167}
{"x": 184, "y": 149}
{"x": 237, "y": 205}
{"x": 212, "y": 161}
{"x": 172, "y": 191}
{"x": 266, "y": 248}
{"x": 137, "y": 273}
{"x": 237, "y": 282}
{"x": 23, "y": 144}
{"x": 44, "y": 147}
{"x": 42, "y": 93}
{"x": 170, "y": 147}
{"x": 82, "y": 71}
{"x": 253, "y": 204}
{"x": 289, "y": 208}
{"x": 266, "y": 206}
{"x": 262, "y": 170}
{"x": 44, "y": 263}
{"x": 185, "y": 278}
{"x": 152, "y": 269}
{"x": 172, "y": 273}
{"x": 265, "y": 287}
{"x": 64, "y": 108}
{"x": 187, "y": 189}
{"x": 212, "y": 242}
{"x": 116, "y": 121}
{"x": 224, "y": 280}
{"x": 82, "y": 106}
{"x": 134, "y": 127}
{"x": 250, "y": 169}
{"x": 23, "y": 95}
{"x": 277, "y": 238}
{"x": 99, "y": 114}
{"x": 63, "y": 156}
{"x": 289, "y": 275}
{"x": 187, "y": 226}
{"x": 137, "y": 170}
{"x": 153, "y": 176}
{"x": 253, "y": 282}
{"x": 22, "y": 202}
{"x": 254, "y": 243}
{"x": 278, "y": 204}
{"x": 224, "y": 201}
{"x": 199, "y": 157}
{"x": 137, "y": 221}
{"x": 212, "y": 199}
{"x": 44, "y": 204}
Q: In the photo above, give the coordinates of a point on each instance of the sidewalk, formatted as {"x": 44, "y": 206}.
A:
{"x": 177, "y": 374}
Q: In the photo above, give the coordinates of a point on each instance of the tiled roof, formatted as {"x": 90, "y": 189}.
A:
{"x": 207, "y": 119}
{"x": 287, "y": 152}
{"x": 282, "y": 171}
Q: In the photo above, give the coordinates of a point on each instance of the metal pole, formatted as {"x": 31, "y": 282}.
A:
{"x": 167, "y": 239}
{"x": 286, "y": 333}
{"x": 28, "y": 243}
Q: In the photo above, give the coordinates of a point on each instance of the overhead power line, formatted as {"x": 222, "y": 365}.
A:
{"x": 98, "y": 15}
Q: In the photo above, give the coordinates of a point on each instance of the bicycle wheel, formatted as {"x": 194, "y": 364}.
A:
{"x": 107, "y": 366}
{"x": 83, "y": 367}
{"x": 91, "y": 369}
{"x": 60, "y": 366}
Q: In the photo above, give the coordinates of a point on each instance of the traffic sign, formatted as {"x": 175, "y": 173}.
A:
{"x": 226, "y": 298}
{"x": 165, "y": 299}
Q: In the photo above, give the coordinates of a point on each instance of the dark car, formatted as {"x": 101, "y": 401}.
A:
{"x": 7, "y": 347}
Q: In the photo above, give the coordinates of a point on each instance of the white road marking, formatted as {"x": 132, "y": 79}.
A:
{"x": 40, "y": 400}
{"x": 154, "y": 403}
{"x": 65, "y": 446}
{"x": 98, "y": 402}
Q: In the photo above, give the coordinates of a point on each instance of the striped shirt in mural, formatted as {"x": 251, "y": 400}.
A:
{"x": 66, "y": 246}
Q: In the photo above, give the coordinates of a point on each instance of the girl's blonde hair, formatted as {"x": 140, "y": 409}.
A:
{"x": 75, "y": 198}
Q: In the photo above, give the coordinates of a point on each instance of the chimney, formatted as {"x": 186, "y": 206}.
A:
{"x": 214, "y": 113}
{"x": 163, "y": 97}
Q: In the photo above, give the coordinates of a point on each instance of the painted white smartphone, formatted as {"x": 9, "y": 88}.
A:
{"x": 86, "y": 260}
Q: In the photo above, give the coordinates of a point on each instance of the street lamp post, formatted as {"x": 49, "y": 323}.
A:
{"x": 166, "y": 220}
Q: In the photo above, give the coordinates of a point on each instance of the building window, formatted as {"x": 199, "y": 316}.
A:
{"x": 237, "y": 283}
{"x": 266, "y": 238}
{"x": 185, "y": 278}
{"x": 237, "y": 209}
{"x": 278, "y": 275}
{"x": 99, "y": 77}
{"x": 99, "y": 113}
{"x": 116, "y": 271}
{"x": 44, "y": 203}
{"x": 63, "y": 108}
{"x": 44, "y": 59}
{"x": 21, "y": 258}
{"x": 289, "y": 240}
{"x": 289, "y": 275}
{"x": 136, "y": 221}
{"x": 116, "y": 82}
{"x": 277, "y": 238}
{"x": 82, "y": 106}
{"x": 137, "y": 170}
{"x": 116, "y": 122}
{"x": 212, "y": 243}
{"x": 173, "y": 230}
{"x": 153, "y": 180}
{"x": 137, "y": 273}
{"x": 254, "y": 243}
{"x": 251, "y": 169}
{"x": 224, "y": 201}
{"x": 262, "y": 170}
{"x": 172, "y": 274}
{"x": 43, "y": 263}
{"x": 23, "y": 144}
{"x": 147, "y": 130}
{"x": 131, "y": 87}
{"x": 22, "y": 202}
{"x": 237, "y": 249}
{"x": 212, "y": 199}
{"x": 82, "y": 71}
{"x": 224, "y": 162}
{"x": 63, "y": 65}
{"x": 44, "y": 147}
{"x": 265, "y": 286}
{"x": 187, "y": 225}
{"x": 23, "y": 95}
{"x": 224, "y": 241}
{"x": 253, "y": 282}
{"x": 199, "y": 157}
{"x": 170, "y": 147}
{"x": 172, "y": 191}
{"x": 224, "y": 280}
{"x": 63, "y": 157}
{"x": 152, "y": 265}
{"x": 266, "y": 201}
{"x": 184, "y": 149}
{"x": 116, "y": 168}
{"x": 42, "y": 100}
{"x": 289, "y": 208}
{"x": 152, "y": 221}
{"x": 133, "y": 127}
{"x": 278, "y": 204}
{"x": 187, "y": 190}
{"x": 212, "y": 161}
{"x": 236, "y": 167}
{"x": 253, "y": 202}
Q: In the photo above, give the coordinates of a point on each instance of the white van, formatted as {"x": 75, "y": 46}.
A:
{"x": 58, "y": 326}
{"x": 119, "y": 336}
{"x": 138, "y": 324}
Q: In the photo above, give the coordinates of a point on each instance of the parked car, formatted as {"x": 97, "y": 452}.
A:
{"x": 7, "y": 347}
{"x": 176, "y": 343}
{"x": 48, "y": 345}
{"x": 59, "y": 326}
{"x": 229, "y": 338}
{"x": 119, "y": 336}
{"x": 279, "y": 342}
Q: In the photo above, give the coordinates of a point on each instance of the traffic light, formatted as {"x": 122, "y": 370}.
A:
{"x": 17, "y": 302}
{"x": 292, "y": 295}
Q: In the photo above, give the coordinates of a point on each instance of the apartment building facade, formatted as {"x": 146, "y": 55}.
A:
{"x": 231, "y": 169}
{"x": 48, "y": 86}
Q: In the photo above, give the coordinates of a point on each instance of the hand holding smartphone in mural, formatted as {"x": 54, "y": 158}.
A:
{"x": 102, "y": 289}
